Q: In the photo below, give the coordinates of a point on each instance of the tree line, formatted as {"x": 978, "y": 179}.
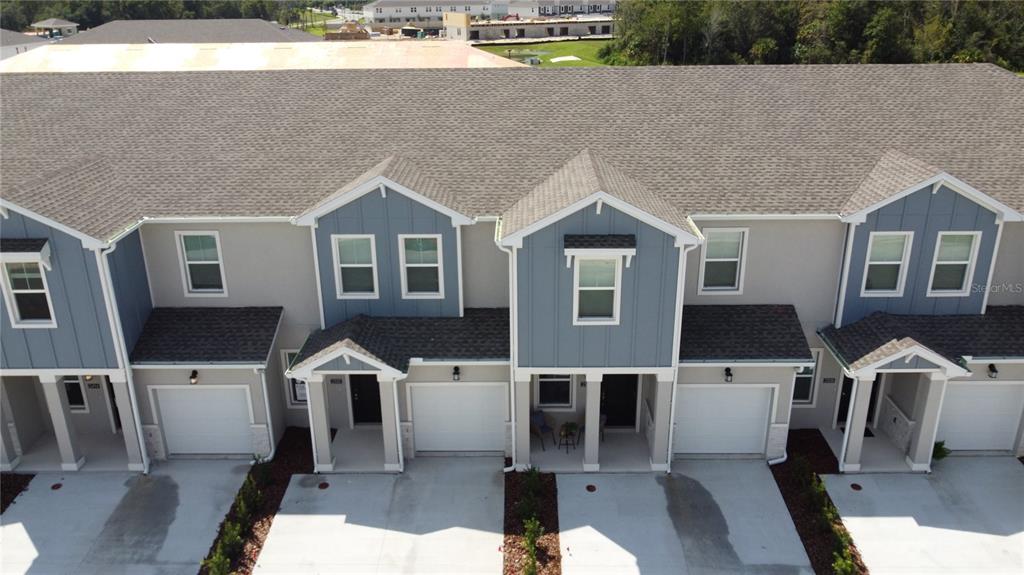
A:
{"x": 817, "y": 32}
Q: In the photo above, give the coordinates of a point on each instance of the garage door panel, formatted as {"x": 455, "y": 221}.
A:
{"x": 721, "y": 419}
{"x": 459, "y": 417}
{"x": 982, "y": 417}
{"x": 205, "y": 421}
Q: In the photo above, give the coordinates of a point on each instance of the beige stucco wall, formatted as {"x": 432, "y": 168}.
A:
{"x": 1008, "y": 276}
{"x": 145, "y": 378}
{"x": 781, "y": 377}
{"x": 29, "y": 412}
{"x": 821, "y": 413}
{"x": 484, "y": 268}
{"x": 431, "y": 374}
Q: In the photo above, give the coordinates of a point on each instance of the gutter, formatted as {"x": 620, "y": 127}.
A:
{"x": 270, "y": 421}
{"x": 512, "y": 340}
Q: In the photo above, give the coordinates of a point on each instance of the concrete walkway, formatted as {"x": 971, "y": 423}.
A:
{"x": 707, "y": 517}
{"x": 114, "y": 522}
{"x": 443, "y": 515}
{"x": 967, "y": 516}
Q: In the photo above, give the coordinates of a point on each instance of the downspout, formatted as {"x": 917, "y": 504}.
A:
{"x": 512, "y": 340}
{"x": 266, "y": 405}
{"x": 785, "y": 452}
{"x": 114, "y": 317}
{"x": 681, "y": 278}
{"x": 398, "y": 430}
{"x": 312, "y": 434}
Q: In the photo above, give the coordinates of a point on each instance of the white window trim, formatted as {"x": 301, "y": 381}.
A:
{"x": 901, "y": 282}
{"x": 12, "y": 310}
{"x": 292, "y": 404}
{"x": 337, "y": 266}
{"x": 439, "y": 294}
{"x": 559, "y": 408}
{"x": 817, "y": 353}
{"x": 186, "y": 282}
{"x": 965, "y": 290}
{"x": 616, "y": 300}
{"x": 84, "y": 409}
{"x": 738, "y": 290}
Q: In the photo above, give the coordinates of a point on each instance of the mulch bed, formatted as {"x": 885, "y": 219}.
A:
{"x": 11, "y": 486}
{"x": 294, "y": 455}
{"x": 809, "y": 452}
{"x": 549, "y": 555}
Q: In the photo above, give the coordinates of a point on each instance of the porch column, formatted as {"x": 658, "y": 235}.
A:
{"x": 922, "y": 442}
{"x": 71, "y": 458}
{"x": 119, "y": 383}
{"x": 389, "y": 424}
{"x": 521, "y": 413}
{"x": 319, "y": 424}
{"x": 9, "y": 457}
{"x": 855, "y": 424}
{"x": 662, "y": 425}
{"x": 592, "y": 441}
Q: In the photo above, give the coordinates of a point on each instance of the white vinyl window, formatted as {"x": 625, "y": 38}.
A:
{"x": 723, "y": 261}
{"x": 202, "y": 265}
{"x": 296, "y": 387}
{"x": 554, "y": 392}
{"x": 422, "y": 266}
{"x": 28, "y": 295}
{"x": 75, "y": 390}
{"x": 953, "y": 264}
{"x": 885, "y": 267}
{"x": 806, "y": 380}
{"x": 355, "y": 266}
{"x": 597, "y": 290}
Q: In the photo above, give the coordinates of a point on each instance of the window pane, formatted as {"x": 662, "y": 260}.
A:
{"x": 421, "y": 251}
{"x": 555, "y": 393}
{"x": 354, "y": 251}
{"x": 955, "y": 248}
{"x": 200, "y": 248}
{"x": 883, "y": 277}
{"x": 422, "y": 280}
{"x": 724, "y": 244}
{"x": 597, "y": 303}
{"x": 802, "y": 388}
{"x": 887, "y": 248}
{"x": 205, "y": 276}
{"x": 74, "y": 389}
{"x": 597, "y": 273}
{"x": 949, "y": 277}
{"x": 721, "y": 274}
{"x": 32, "y": 306}
{"x": 25, "y": 276}
{"x": 298, "y": 391}
{"x": 357, "y": 280}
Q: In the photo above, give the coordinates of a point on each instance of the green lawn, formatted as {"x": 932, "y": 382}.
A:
{"x": 585, "y": 50}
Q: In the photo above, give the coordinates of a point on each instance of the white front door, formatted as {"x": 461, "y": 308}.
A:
{"x": 459, "y": 417}
{"x": 205, "y": 420}
{"x": 722, "y": 419}
{"x": 981, "y": 416}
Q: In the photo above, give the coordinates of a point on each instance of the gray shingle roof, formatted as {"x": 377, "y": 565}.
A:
{"x": 481, "y": 334}
{"x": 742, "y": 333}
{"x": 893, "y": 173}
{"x": 725, "y": 140}
{"x": 11, "y": 38}
{"x": 207, "y": 335}
{"x": 222, "y": 30}
{"x": 19, "y": 245}
{"x": 599, "y": 241}
{"x": 999, "y": 333}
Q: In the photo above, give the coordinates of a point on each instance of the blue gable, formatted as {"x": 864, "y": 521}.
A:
{"x": 82, "y": 338}
{"x": 926, "y": 214}
{"x": 131, "y": 287}
{"x": 643, "y": 338}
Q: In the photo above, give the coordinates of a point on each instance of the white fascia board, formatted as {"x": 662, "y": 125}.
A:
{"x": 764, "y": 217}
{"x": 88, "y": 241}
{"x": 306, "y": 371}
{"x": 746, "y": 363}
{"x": 683, "y": 237}
{"x": 76, "y": 371}
{"x": 198, "y": 365}
{"x": 373, "y": 185}
{"x": 950, "y": 368}
{"x": 454, "y": 362}
{"x": 1005, "y": 212}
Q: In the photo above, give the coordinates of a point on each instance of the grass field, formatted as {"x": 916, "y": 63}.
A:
{"x": 585, "y": 50}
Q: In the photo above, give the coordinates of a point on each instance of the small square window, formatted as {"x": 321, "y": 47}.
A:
{"x": 554, "y": 392}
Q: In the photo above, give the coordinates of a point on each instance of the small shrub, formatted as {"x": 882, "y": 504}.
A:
{"x": 532, "y": 531}
{"x": 251, "y": 493}
{"x": 218, "y": 563}
{"x": 231, "y": 539}
{"x": 528, "y": 506}
{"x": 260, "y": 473}
{"x": 242, "y": 512}
{"x": 940, "y": 451}
{"x": 531, "y": 481}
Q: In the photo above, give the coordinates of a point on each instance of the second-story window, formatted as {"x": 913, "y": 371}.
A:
{"x": 421, "y": 262}
{"x": 355, "y": 265}
{"x": 722, "y": 261}
{"x": 28, "y": 296}
{"x": 953, "y": 264}
{"x": 886, "y": 266}
{"x": 202, "y": 264}
{"x": 596, "y": 297}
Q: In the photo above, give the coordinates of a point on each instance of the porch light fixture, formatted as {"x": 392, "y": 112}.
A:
{"x": 993, "y": 373}
{"x": 87, "y": 378}
{"x": 193, "y": 377}
{"x": 456, "y": 373}
{"x": 728, "y": 375}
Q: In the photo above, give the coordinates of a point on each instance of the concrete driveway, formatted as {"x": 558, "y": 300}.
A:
{"x": 119, "y": 522}
{"x": 967, "y": 516}
{"x": 706, "y": 517}
{"x": 443, "y": 515}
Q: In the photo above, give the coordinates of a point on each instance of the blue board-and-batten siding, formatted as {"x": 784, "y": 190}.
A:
{"x": 131, "y": 287}
{"x": 643, "y": 338}
{"x": 386, "y": 218}
{"x": 82, "y": 338}
{"x": 926, "y": 214}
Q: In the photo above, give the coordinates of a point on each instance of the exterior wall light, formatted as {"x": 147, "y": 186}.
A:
{"x": 993, "y": 373}
{"x": 87, "y": 378}
{"x": 193, "y": 377}
{"x": 728, "y": 375}
{"x": 456, "y": 373}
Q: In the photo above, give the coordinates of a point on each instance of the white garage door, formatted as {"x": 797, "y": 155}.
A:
{"x": 981, "y": 416}
{"x": 199, "y": 420}
{"x": 722, "y": 419}
{"x": 459, "y": 417}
